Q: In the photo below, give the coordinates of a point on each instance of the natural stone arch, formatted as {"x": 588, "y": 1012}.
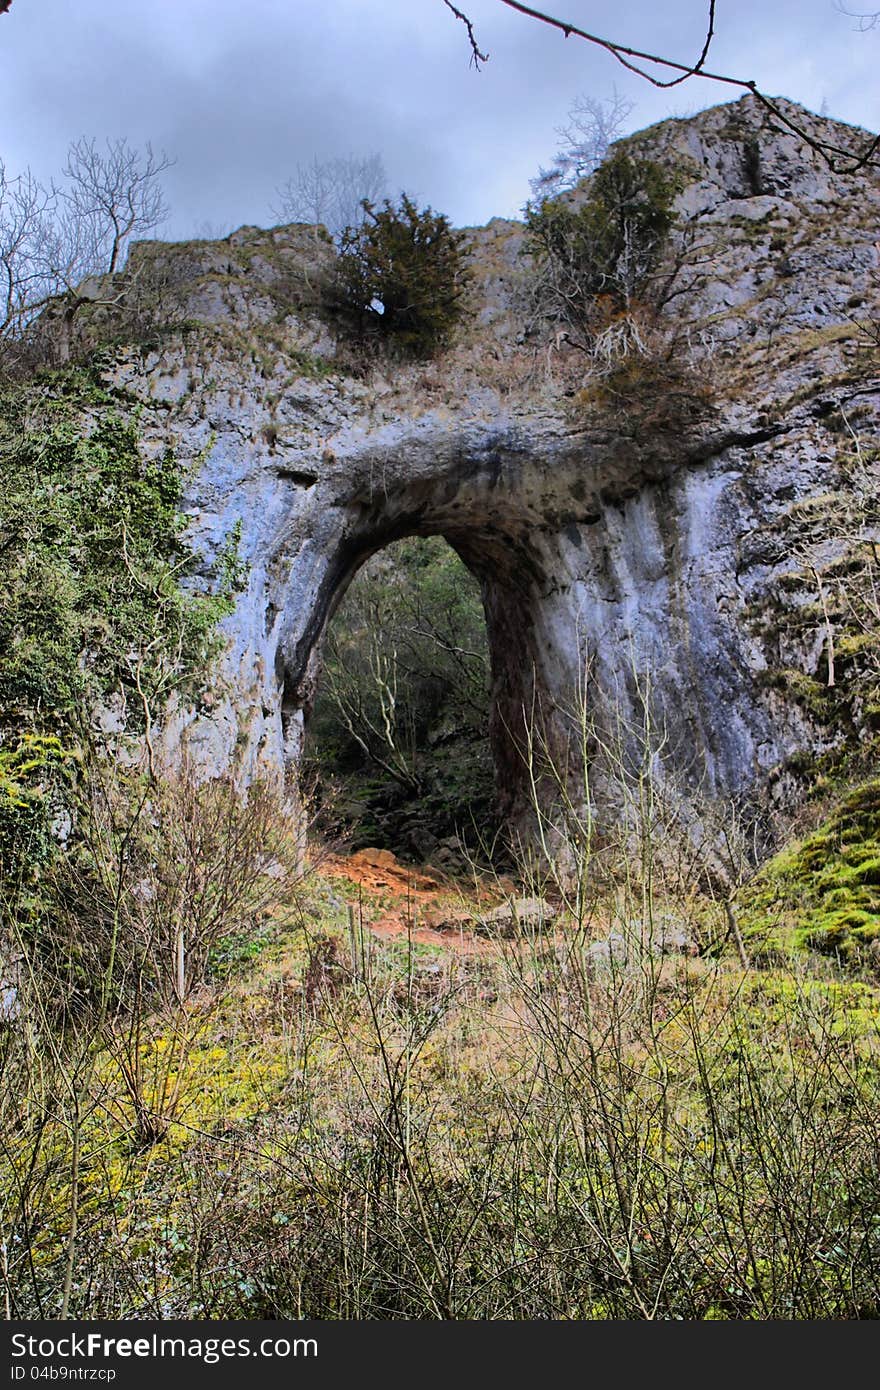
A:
{"x": 654, "y": 543}
{"x": 497, "y": 550}
{"x": 636, "y": 555}
{"x": 582, "y": 556}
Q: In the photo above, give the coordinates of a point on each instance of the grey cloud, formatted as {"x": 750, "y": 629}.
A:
{"x": 240, "y": 94}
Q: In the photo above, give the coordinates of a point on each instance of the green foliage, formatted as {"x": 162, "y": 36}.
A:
{"x": 599, "y": 256}
{"x": 402, "y": 279}
{"x": 93, "y": 605}
{"x": 34, "y": 775}
{"x": 401, "y": 718}
{"x": 825, "y": 891}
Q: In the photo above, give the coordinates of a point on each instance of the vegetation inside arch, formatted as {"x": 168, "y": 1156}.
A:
{"x": 398, "y": 746}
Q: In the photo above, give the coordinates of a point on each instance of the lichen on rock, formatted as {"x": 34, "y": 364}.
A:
{"x": 611, "y": 534}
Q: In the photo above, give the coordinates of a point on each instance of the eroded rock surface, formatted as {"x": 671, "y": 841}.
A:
{"x": 628, "y": 549}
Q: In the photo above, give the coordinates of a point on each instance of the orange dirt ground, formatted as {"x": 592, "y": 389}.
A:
{"x": 399, "y": 901}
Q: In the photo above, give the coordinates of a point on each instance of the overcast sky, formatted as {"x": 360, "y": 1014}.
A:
{"x": 240, "y": 91}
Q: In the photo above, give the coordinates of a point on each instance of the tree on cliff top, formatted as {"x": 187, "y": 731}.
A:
{"x": 331, "y": 192}
{"x": 599, "y": 257}
{"x": 402, "y": 278}
{"x": 594, "y": 123}
{"x": 52, "y": 237}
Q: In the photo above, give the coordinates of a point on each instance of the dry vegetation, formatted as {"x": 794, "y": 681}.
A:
{"x": 315, "y": 1122}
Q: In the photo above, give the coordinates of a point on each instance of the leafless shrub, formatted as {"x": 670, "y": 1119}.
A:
{"x": 331, "y": 192}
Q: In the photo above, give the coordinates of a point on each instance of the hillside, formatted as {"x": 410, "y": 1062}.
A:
{"x": 571, "y": 631}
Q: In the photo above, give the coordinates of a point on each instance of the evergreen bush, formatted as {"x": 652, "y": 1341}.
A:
{"x": 597, "y": 259}
{"x": 402, "y": 279}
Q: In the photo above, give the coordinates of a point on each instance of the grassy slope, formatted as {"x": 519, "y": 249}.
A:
{"x": 443, "y": 1134}
{"x": 824, "y": 891}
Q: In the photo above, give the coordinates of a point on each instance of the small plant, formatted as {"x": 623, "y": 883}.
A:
{"x": 752, "y": 166}
{"x": 33, "y": 775}
{"x": 402, "y": 279}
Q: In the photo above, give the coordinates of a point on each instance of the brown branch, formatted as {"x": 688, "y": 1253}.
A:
{"x": 838, "y": 158}
{"x": 734, "y": 931}
{"x": 631, "y": 57}
{"x": 477, "y": 56}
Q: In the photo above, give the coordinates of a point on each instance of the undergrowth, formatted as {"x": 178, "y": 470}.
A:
{"x": 412, "y": 1134}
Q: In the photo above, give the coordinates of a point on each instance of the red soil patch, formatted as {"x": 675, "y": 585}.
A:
{"x": 424, "y": 907}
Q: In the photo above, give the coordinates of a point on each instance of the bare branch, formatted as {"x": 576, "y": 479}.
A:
{"x": 114, "y": 196}
{"x": 43, "y": 251}
{"x": 636, "y": 60}
{"x": 331, "y": 192}
{"x": 477, "y": 56}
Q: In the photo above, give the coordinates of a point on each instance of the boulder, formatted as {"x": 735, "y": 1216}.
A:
{"x": 518, "y": 915}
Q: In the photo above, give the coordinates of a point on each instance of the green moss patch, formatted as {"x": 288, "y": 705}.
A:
{"x": 824, "y": 891}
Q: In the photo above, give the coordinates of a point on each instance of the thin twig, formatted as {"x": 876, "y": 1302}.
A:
{"x": 477, "y": 57}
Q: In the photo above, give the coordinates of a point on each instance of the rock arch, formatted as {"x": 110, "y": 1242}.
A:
{"x": 580, "y": 559}
{"x": 653, "y": 543}
{"x": 469, "y": 502}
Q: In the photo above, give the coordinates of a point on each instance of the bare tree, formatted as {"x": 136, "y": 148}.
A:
{"x": 23, "y": 204}
{"x": 114, "y": 196}
{"x": 331, "y": 192}
{"x": 594, "y": 123}
{"x": 45, "y": 251}
{"x": 53, "y": 238}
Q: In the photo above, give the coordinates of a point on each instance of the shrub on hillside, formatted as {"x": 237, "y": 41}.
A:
{"x": 593, "y": 261}
{"x": 402, "y": 279}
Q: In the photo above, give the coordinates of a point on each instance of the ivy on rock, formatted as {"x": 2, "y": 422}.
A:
{"x": 95, "y": 609}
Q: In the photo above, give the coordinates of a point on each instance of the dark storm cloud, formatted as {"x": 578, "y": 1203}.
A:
{"x": 240, "y": 94}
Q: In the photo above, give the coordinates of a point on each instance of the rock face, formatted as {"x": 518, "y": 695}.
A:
{"x": 624, "y": 551}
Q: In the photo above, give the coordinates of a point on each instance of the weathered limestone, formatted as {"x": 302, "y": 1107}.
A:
{"x": 632, "y": 551}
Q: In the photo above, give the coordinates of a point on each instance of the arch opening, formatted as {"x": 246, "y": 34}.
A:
{"x": 508, "y": 550}
{"x": 397, "y": 749}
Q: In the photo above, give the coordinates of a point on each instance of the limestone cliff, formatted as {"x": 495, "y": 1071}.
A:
{"x": 661, "y": 545}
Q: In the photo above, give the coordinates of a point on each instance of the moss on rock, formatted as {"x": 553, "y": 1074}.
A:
{"x": 823, "y": 892}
